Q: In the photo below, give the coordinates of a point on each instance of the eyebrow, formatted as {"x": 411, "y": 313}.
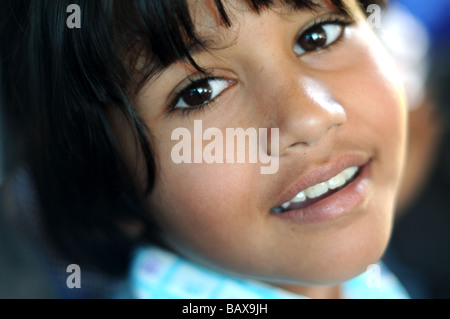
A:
{"x": 204, "y": 43}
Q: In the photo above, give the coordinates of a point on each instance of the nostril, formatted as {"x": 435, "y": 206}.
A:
{"x": 300, "y": 144}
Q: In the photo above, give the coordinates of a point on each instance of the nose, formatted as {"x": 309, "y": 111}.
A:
{"x": 305, "y": 111}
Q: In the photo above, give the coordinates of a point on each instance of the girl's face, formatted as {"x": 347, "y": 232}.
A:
{"x": 324, "y": 81}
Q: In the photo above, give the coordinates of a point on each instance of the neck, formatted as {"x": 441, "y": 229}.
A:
{"x": 315, "y": 292}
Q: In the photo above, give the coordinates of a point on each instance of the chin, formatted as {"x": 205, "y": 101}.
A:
{"x": 349, "y": 253}
{"x": 352, "y": 262}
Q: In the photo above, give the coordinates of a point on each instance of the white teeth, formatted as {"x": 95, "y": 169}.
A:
{"x": 316, "y": 190}
{"x": 322, "y": 188}
{"x": 336, "y": 181}
{"x": 349, "y": 172}
{"x": 300, "y": 197}
{"x": 341, "y": 178}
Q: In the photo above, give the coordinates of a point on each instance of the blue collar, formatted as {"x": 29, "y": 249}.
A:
{"x": 159, "y": 274}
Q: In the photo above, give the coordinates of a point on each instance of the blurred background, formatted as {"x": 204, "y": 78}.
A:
{"x": 419, "y": 252}
{"x": 417, "y": 33}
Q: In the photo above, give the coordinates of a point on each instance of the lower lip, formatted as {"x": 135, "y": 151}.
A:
{"x": 336, "y": 205}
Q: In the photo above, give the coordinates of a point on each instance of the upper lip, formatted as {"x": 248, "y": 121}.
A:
{"x": 322, "y": 173}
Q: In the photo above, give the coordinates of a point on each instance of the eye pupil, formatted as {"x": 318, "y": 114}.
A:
{"x": 313, "y": 39}
{"x": 198, "y": 94}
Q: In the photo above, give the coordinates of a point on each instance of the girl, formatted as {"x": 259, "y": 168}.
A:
{"x": 98, "y": 107}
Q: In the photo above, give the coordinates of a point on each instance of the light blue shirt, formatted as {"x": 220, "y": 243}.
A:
{"x": 159, "y": 274}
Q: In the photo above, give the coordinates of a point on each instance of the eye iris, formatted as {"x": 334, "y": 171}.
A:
{"x": 198, "y": 94}
{"x": 313, "y": 39}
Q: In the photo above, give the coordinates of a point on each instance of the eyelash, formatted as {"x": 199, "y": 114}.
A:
{"x": 191, "y": 110}
{"x": 321, "y": 21}
{"x": 197, "y": 108}
{"x": 334, "y": 19}
{"x": 329, "y": 19}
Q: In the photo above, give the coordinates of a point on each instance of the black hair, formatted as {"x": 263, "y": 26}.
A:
{"x": 57, "y": 83}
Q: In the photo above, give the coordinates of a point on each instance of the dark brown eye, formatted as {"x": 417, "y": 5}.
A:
{"x": 318, "y": 37}
{"x": 197, "y": 93}
{"x": 202, "y": 92}
{"x": 313, "y": 39}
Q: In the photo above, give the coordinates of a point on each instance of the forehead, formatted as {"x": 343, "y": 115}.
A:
{"x": 213, "y": 19}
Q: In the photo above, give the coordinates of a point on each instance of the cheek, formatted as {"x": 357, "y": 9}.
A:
{"x": 371, "y": 91}
{"x": 205, "y": 207}
{"x": 385, "y": 113}
{"x": 379, "y": 110}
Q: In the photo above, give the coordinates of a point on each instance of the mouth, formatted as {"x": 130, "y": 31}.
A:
{"x": 318, "y": 192}
{"x": 327, "y": 192}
